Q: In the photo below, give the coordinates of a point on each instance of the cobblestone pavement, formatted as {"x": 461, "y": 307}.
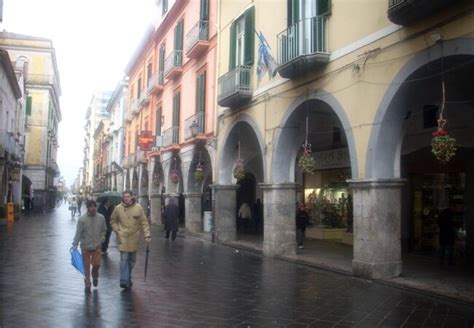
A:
{"x": 192, "y": 283}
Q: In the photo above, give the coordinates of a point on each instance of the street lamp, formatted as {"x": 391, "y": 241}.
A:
{"x": 194, "y": 127}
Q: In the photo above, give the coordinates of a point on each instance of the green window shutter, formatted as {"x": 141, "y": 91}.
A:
{"x": 28, "y": 105}
{"x": 249, "y": 36}
{"x": 323, "y": 7}
{"x": 158, "y": 121}
{"x": 161, "y": 64}
{"x": 201, "y": 92}
{"x": 233, "y": 41}
{"x": 178, "y": 36}
{"x": 176, "y": 104}
{"x": 293, "y": 11}
{"x": 204, "y": 10}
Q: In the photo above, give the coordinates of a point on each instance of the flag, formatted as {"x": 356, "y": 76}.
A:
{"x": 266, "y": 62}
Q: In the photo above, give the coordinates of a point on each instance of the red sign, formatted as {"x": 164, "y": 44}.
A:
{"x": 145, "y": 140}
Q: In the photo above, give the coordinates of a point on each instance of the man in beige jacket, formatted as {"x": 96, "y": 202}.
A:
{"x": 127, "y": 219}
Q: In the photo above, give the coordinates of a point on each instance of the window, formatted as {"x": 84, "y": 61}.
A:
{"x": 161, "y": 64}
{"x": 139, "y": 87}
{"x": 178, "y": 44}
{"x": 204, "y": 10}
{"x": 201, "y": 92}
{"x": 28, "y": 105}
{"x": 176, "y": 108}
{"x": 300, "y": 9}
{"x": 242, "y": 33}
{"x": 149, "y": 74}
{"x": 164, "y": 7}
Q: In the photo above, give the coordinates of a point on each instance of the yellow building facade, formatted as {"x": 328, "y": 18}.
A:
{"x": 359, "y": 85}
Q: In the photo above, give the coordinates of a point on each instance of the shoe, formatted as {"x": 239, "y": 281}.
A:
{"x": 105, "y": 253}
{"x": 87, "y": 290}
{"x": 124, "y": 285}
{"x": 95, "y": 282}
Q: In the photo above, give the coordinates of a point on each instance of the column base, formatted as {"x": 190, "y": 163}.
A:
{"x": 376, "y": 270}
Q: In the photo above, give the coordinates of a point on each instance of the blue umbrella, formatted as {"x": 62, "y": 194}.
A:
{"x": 76, "y": 260}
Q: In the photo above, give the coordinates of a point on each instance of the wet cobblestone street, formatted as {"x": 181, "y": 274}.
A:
{"x": 192, "y": 283}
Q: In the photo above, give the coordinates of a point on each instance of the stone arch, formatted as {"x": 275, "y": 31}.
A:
{"x": 200, "y": 155}
{"x": 383, "y": 153}
{"x": 157, "y": 176}
{"x": 285, "y": 142}
{"x": 247, "y": 130}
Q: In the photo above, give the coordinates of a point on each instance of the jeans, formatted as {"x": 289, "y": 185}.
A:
{"x": 127, "y": 262}
{"x": 91, "y": 257}
{"x": 300, "y": 236}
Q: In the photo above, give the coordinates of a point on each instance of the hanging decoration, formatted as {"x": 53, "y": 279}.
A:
{"x": 443, "y": 146}
{"x": 199, "y": 171}
{"x": 306, "y": 161}
{"x": 174, "y": 173}
{"x": 239, "y": 169}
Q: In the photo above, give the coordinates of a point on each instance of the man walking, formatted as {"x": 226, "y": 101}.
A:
{"x": 127, "y": 219}
{"x": 106, "y": 210}
{"x": 171, "y": 219}
{"x": 90, "y": 232}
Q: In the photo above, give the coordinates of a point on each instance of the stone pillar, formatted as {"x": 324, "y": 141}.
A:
{"x": 192, "y": 207}
{"x": 225, "y": 212}
{"x": 377, "y": 224}
{"x": 155, "y": 209}
{"x": 279, "y": 209}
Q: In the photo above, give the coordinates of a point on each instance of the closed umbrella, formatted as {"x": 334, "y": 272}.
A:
{"x": 76, "y": 260}
{"x": 146, "y": 258}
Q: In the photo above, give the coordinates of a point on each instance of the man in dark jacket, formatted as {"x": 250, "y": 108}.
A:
{"x": 301, "y": 224}
{"x": 171, "y": 219}
{"x": 447, "y": 236}
{"x": 106, "y": 210}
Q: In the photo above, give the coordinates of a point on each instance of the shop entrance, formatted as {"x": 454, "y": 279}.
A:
{"x": 247, "y": 203}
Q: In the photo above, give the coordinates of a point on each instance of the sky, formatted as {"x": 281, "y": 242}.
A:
{"x": 93, "y": 40}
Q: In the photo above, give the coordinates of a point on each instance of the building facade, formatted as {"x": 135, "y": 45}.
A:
{"x": 11, "y": 131}
{"x": 43, "y": 114}
{"x": 359, "y": 88}
{"x": 172, "y": 98}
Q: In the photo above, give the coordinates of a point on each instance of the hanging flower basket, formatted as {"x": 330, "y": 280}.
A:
{"x": 174, "y": 177}
{"x": 306, "y": 161}
{"x": 239, "y": 170}
{"x": 199, "y": 173}
{"x": 443, "y": 146}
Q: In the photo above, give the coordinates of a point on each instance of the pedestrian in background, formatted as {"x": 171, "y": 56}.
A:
{"x": 90, "y": 233}
{"x": 245, "y": 215}
{"x": 79, "y": 204}
{"x": 127, "y": 219}
{"x": 171, "y": 219}
{"x": 106, "y": 210}
{"x": 301, "y": 224}
{"x": 447, "y": 235}
{"x": 73, "y": 206}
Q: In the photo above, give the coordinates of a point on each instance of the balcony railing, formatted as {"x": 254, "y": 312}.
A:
{"x": 9, "y": 144}
{"x": 195, "y": 122}
{"x": 173, "y": 64}
{"x": 303, "y": 47}
{"x": 235, "y": 87}
{"x": 135, "y": 106}
{"x": 171, "y": 136}
{"x": 197, "y": 39}
{"x": 144, "y": 99}
{"x": 404, "y": 12}
{"x": 156, "y": 83}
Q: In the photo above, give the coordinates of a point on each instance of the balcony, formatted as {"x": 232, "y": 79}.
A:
{"x": 42, "y": 79}
{"x": 234, "y": 87}
{"x": 9, "y": 146}
{"x": 135, "y": 106}
{"x": 171, "y": 136}
{"x": 144, "y": 99}
{"x": 194, "y": 125}
{"x": 155, "y": 86}
{"x": 302, "y": 47}
{"x": 174, "y": 65}
{"x": 197, "y": 39}
{"x": 404, "y": 12}
{"x": 141, "y": 156}
{"x": 129, "y": 116}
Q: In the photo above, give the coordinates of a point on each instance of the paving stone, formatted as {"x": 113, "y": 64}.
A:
{"x": 192, "y": 283}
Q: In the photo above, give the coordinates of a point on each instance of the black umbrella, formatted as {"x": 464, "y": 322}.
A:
{"x": 146, "y": 257}
{"x": 113, "y": 197}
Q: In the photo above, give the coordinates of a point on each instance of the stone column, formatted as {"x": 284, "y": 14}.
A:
{"x": 279, "y": 209}
{"x": 155, "y": 209}
{"x": 192, "y": 207}
{"x": 377, "y": 224}
{"x": 225, "y": 212}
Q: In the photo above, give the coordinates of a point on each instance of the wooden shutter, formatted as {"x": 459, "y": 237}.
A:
{"x": 28, "y": 105}
{"x": 249, "y": 45}
{"x": 158, "y": 121}
{"x": 293, "y": 11}
{"x": 233, "y": 41}
{"x": 323, "y": 7}
{"x": 178, "y": 36}
{"x": 201, "y": 92}
{"x": 204, "y": 10}
{"x": 176, "y": 104}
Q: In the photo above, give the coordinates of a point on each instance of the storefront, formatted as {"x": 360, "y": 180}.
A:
{"x": 328, "y": 197}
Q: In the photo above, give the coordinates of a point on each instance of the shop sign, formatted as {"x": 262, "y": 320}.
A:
{"x": 145, "y": 140}
{"x": 332, "y": 159}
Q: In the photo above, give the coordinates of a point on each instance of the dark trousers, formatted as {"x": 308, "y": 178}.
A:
{"x": 105, "y": 244}
{"x": 173, "y": 234}
{"x": 446, "y": 250}
{"x": 300, "y": 236}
